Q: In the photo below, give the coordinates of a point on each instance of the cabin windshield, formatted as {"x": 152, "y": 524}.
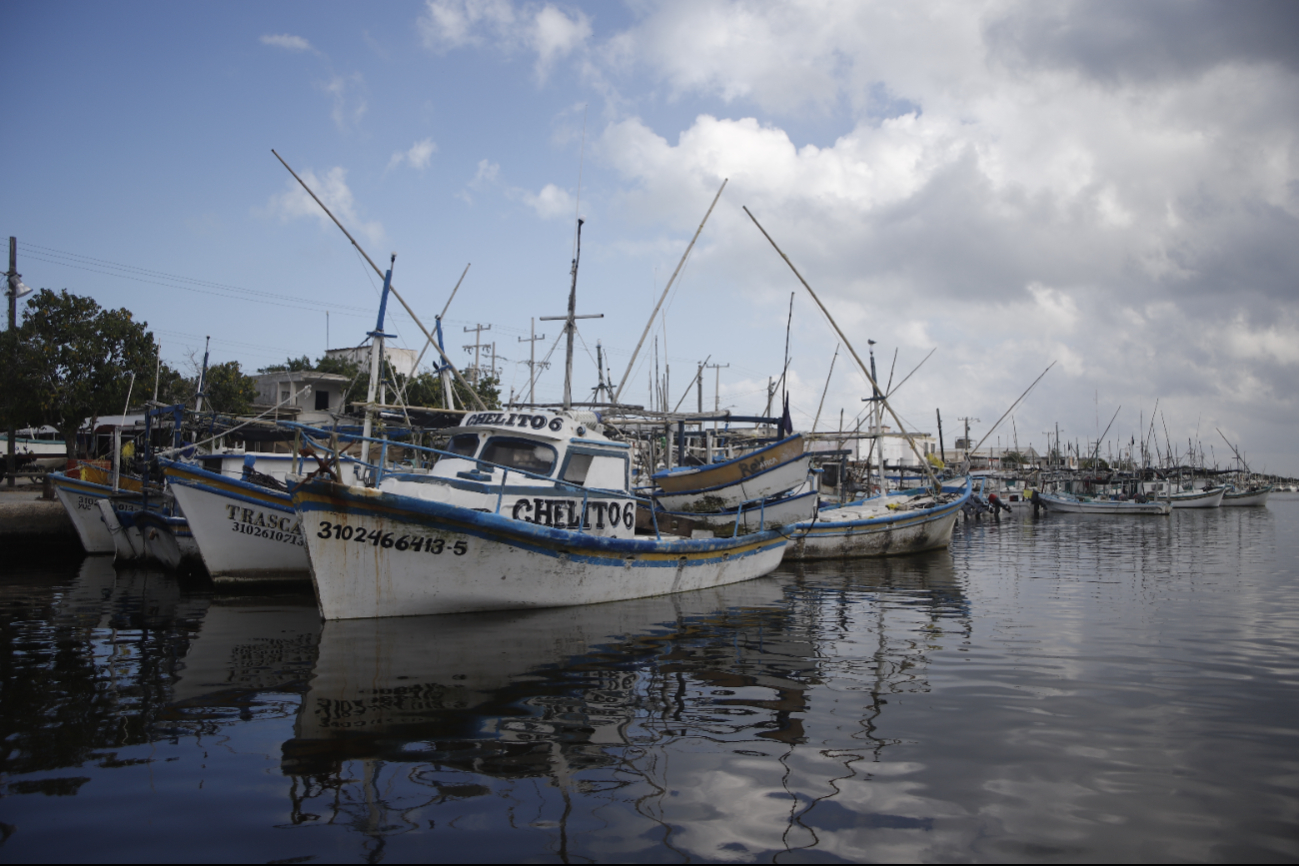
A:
{"x": 465, "y": 444}
{"x": 524, "y": 454}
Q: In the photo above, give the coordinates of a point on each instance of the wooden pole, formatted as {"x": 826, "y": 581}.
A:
{"x": 865, "y": 371}
{"x": 666, "y": 289}
{"x": 826, "y": 389}
{"x": 1007, "y": 412}
{"x": 414, "y": 369}
{"x": 461, "y": 379}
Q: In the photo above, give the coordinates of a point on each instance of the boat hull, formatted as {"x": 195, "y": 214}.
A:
{"x": 1159, "y": 508}
{"x": 376, "y": 554}
{"x": 769, "y": 515}
{"x": 751, "y": 488}
{"x": 80, "y": 499}
{"x": 245, "y": 532}
{"x": 833, "y": 535}
{"x": 1199, "y": 499}
{"x": 1246, "y": 499}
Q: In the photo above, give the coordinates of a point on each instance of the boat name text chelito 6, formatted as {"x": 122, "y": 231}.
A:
{"x": 515, "y": 419}
{"x": 562, "y": 513}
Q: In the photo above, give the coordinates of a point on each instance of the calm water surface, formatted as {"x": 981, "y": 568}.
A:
{"x": 1067, "y": 689}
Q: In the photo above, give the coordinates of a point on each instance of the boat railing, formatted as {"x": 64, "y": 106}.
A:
{"x": 375, "y": 472}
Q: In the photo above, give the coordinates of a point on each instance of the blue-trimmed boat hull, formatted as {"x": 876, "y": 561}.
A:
{"x": 840, "y": 532}
{"x": 377, "y": 554}
{"x": 244, "y": 531}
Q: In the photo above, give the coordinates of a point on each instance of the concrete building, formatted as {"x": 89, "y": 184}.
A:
{"x": 401, "y": 360}
{"x": 323, "y": 394}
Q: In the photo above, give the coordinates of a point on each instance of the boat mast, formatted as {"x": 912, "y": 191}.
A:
{"x": 376, "y": 355}
{"x": 570, "y": 320}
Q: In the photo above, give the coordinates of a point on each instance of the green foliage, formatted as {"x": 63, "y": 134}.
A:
{"x": 293, "y": 365}
{"x": 426, "y": 390}
{"x": 229, "y": 390}
{"x": 73, "y": 360}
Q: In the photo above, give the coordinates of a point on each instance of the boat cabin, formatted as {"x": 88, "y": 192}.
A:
{"x": 535, "y": 465}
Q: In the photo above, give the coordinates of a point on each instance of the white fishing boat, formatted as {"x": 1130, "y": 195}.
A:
{"x": 802, "y": 504}
{"x": 1209, "y": 497}
{"x": 1249, "y": 497}
{"x": 713, "y": 487}
{"x": 82, "y": 489}
{"x": 42, "y": 447}
{"x": 889, "y": 525}
{"x": 1069, "y": 504}
{"x": 245, "y": 530}
{"x": 523, "y": 510}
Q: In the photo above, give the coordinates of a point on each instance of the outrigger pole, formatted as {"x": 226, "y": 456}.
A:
{"x": 393, "y": 289}
{"x": 929, "y": 470}
{"x": 1011, "y": 409}
{"x": 663, "y": 297}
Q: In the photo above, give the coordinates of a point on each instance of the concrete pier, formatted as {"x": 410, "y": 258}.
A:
{"x": 26, "y": 515}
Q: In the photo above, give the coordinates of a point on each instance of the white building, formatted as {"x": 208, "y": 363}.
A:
{"x": 308, "y": 396}
{"x": 402, "y": 361}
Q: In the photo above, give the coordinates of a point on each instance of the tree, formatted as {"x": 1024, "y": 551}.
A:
{"x": 74, "y": 360}
{"x": 293, "y": 365}
{"x": 228, "y": 390}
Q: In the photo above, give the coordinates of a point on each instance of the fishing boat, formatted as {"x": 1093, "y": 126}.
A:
{"x": 1209, "y": 497}
{"x": 757, "y": 475}
{"x": 522, "y": 510}
{"x": 244, "y": 529}
{"x": 888, "y": 525}
{"x": 42, "y": 447}
{"x": 1251, "y": 496}
{"x": 799, "y": 505}
{"x": 82, "y": 488}
{"x": 1069, "y": 504}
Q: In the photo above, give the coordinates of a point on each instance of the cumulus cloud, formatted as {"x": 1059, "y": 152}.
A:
{"x": 416, "y": 157}
{"x": 348, "y": 94}
{"x": 1107, "y": 184}
{"x": 550, "y": 202}
{"x": 294, "y": 203}
{"x": 287, "y": 42}
{"x": 544, "y": 30}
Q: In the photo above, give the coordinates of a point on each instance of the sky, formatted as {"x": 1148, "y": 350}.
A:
{"x": 1110, "y": 186}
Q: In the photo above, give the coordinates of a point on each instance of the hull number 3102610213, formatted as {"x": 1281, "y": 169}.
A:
{"x": 387, "y": 540}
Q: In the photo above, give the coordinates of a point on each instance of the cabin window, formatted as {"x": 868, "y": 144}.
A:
{"x": 322, "y": 401}
{"x": 465, "y": 444}
{"x": 524, "y": 454}
{"x": 578, "y": 466}
{"x": 284, "y": 395}
{"x": 608, "y": 473}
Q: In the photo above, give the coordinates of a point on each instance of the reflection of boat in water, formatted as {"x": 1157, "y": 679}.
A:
{"x": 247, "y": 645}
{"x": 669, "y": 715}
{"x": 380, "y": 685}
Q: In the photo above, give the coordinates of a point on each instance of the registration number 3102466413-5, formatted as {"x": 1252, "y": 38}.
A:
{"x": 387, "y": 540}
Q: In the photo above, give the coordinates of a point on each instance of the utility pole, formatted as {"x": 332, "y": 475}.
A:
{"x": 942, "y": 452}
{"x": 11, "y": 283}
{"x": 532, "y": 361}
{"x": 570, "y": 321}
{"x": 717, "y": 383}
{"x": 699, "y": 387}
{"x": 476, "y": 348}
